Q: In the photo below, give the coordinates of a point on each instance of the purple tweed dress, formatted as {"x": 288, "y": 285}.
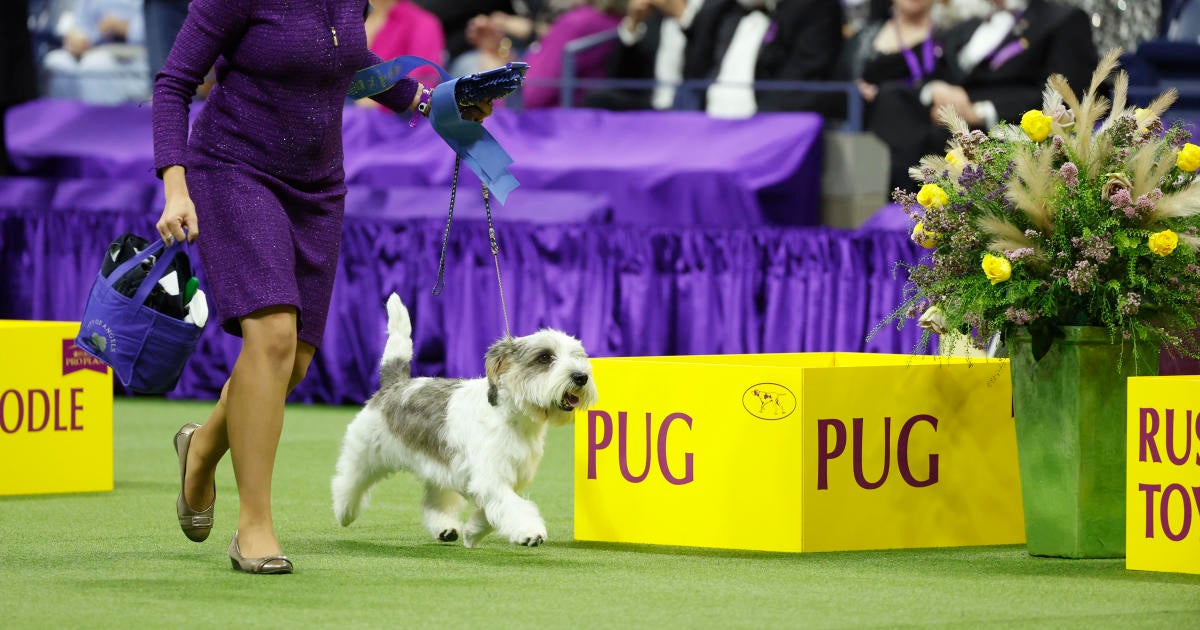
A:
{"x": 264, "y": 160}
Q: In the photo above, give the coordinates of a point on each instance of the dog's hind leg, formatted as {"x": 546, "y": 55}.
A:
{"x": 477, "y": 528}
{"x": 443, "y": 512}
{"x": 357, "y": 468}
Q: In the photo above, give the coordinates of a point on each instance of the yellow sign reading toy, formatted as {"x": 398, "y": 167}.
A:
{"x": 1162, "y": 497}
{"x": 55, "y": 412}
{"x": 799, "y": 452}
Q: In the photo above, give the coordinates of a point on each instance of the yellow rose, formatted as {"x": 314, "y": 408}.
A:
{"x": 928, "y": 240}
{"x": 932, "y": 196}
{"x": 1036, "y": 125}
{"x": 951, "y": 159}
{"x": 1164, "y": 242}
{"x": 1189, "y": 158}
{"x": 996, "y": 268}
{"x": 1143, "y": 119}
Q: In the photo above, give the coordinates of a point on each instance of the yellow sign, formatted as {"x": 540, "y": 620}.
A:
{"x": 799, "y": 452}
{"x": 1162, "y": 495}
{"x": 55, "y": 412}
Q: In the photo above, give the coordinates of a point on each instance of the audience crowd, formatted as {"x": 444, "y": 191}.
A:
{"x": 902, "y": 59}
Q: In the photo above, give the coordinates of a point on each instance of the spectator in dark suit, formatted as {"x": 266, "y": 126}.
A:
{"x": 996, "y": 70}
{"x": 652, "y": 47}
{"x": 739, "y": 41}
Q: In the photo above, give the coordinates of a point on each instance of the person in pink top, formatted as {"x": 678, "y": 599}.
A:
{"x": 396, "y": 28}
{"x": 490, "y": 34}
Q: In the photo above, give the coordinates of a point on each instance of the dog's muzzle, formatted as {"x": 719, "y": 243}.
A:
{"x": 568, "y": 401}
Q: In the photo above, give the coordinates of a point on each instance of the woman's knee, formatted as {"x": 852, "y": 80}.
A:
{"x": 272, "y": 333}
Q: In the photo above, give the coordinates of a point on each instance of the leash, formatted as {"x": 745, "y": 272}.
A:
{"x": 440, "y": 284}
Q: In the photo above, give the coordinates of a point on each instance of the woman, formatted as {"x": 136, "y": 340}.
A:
{"x": 902, "y": 48}
{"x": 263, "y": 169}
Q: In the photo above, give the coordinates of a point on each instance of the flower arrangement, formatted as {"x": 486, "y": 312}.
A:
{"x": 1085, "y": 214}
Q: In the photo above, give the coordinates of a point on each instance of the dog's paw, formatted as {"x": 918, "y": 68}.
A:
{"x": 448, "y": 535}
{"x": 533, "y": 541}
{"x": 530, "y": 536}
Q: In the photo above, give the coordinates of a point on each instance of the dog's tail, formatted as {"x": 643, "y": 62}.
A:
{"x": 396, "y": 364}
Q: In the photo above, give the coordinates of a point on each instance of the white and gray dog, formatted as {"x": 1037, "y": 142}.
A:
{"x": 479, "y": 439}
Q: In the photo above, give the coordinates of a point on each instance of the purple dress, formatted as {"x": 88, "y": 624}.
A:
{"x": 264, "y": 161}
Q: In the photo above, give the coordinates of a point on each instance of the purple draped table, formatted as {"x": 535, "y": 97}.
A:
{"x": 623, "y": 290}
{"x": 655, "y": 168}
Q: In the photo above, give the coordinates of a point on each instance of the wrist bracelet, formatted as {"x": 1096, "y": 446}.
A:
{"x": 422, "y": 106}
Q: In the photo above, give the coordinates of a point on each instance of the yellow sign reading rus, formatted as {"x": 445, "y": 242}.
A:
{"x": 55, "y": 412}
{"x": 799, "y": 452}
{"x": 1162, "y": 494}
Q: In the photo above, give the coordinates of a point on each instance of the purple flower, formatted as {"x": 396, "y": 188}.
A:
{"x": 971, "y": 176}
{"x": 1070, "y": 173}
{"x": 1130, "y": 304}
{"x": 1081, "y": 278}
{"x": 1122, "y": 200}
{"x": 1146, "y": 203}
{"x": 1095, "y": 247}
{"x": 1179, "y": 136}
{"x": 1017, "y": 254}
{"x": 1032, "y": 234}
{"x": 1018, "y": 316}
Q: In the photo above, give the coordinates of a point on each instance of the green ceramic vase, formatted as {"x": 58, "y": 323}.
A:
{"x": 1069, "y": 410}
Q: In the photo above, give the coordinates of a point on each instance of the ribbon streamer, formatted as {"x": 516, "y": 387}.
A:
{"x": 482, "y": 154}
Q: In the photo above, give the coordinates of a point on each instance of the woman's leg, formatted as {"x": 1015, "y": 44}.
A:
{"x": 250, "y": 413}
{"x": 211, "y": 441}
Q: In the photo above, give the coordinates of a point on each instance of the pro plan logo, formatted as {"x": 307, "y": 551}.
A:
{"x": 769, "y": 401}
{"x": 75, "y": 359}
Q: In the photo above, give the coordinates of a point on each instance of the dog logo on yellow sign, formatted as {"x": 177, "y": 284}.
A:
{"x": 769, "y": 401}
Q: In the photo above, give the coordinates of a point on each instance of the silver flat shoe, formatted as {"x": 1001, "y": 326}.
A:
{"x": 266, "y": 565}
{"x": 195, "y": 525}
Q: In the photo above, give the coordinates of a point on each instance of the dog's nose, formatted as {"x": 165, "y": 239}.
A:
{"x": 579, "y": 378}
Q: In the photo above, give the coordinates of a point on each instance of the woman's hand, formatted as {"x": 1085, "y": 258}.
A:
{"x": 178, "y": 219}
{"x": 868, "y": 90}
{"x": 476, "y": 112}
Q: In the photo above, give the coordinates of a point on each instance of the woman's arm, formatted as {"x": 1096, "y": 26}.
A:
{"x": 401, "y": 97}
{"x": 212, "y": 27}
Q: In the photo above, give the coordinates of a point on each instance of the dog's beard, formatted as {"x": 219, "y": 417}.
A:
{"x": 557, "y": 396}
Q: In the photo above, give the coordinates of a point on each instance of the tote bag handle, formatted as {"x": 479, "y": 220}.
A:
{"x": 152, "y": 278}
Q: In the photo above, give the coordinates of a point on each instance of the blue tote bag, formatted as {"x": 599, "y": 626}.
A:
{"x": 145, "y": 348}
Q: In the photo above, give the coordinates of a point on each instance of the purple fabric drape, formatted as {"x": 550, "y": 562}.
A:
{"x": 655, "y": 168}
{"x": 623, "y": 290}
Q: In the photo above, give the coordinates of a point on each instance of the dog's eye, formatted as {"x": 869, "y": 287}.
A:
{"x": 545, "y": 358}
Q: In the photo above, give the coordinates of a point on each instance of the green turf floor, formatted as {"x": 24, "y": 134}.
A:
{"x": 118, "y": 559}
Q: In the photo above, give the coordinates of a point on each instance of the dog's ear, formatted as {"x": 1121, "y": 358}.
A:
{"x": 498, "y": 359}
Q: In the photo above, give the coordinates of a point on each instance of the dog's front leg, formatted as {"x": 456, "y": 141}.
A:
{"x": 477, "y": 527}
{"x": 512, "y": 516}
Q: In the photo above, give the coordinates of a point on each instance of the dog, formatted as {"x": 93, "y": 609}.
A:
{"x": 479, "y": 439}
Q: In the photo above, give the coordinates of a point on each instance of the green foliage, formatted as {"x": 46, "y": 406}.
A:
{"x": 1099, "y": 229}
